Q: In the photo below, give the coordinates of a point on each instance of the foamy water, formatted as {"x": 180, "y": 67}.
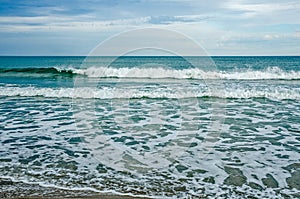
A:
{"x": 158, "y": 131}
{"x": 108, "y": 93}
{"x": 194, "y": 73}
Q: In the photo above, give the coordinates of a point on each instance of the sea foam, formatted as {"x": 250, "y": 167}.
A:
{"x": 123, "y": 93}
{"x": 192, "y": 73}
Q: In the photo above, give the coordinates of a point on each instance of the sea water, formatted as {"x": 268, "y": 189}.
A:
{"x": 153, "y": 126}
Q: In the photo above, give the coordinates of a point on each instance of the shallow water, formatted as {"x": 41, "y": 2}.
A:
{"x": 155, "y": 136}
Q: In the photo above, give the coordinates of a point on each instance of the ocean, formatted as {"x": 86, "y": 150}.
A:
{"x": 156, "y": 126}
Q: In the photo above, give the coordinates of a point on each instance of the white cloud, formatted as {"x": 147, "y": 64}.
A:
{"x": 42, "y": 23}
{"x": 271, "y": 36}
{"x": 297, "y": 34}
{"x": 32, "y": 20}
{"x": 262, "y": 7}
{"x": 86, "y": 23}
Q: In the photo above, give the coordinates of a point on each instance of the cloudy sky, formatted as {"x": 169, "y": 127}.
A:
{"x": 75, "y": 27}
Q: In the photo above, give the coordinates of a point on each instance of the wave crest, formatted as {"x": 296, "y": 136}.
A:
{"x": 270, "y": 73}
{"x": 193, "y": 73}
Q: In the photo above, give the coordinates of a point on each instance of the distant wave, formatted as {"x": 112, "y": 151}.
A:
{"x": 53, "y": 70}
{"x": 114, "y": 93}
{"x": 271, "y": 73}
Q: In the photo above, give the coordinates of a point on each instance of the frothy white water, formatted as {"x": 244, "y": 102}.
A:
{"x": 193, "y": 73}
{"x": 251, "y": 147}
{"x": 125, "y": 93}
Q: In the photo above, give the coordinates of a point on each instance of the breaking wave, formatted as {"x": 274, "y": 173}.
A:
{"x": 119, "y": 93}
{"x": 271, "y": 73}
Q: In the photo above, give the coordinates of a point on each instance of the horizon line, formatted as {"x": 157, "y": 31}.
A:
{"x": 149, "y": 56}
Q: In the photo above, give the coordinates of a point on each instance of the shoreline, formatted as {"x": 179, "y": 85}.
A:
{"x": 20, "y": 190}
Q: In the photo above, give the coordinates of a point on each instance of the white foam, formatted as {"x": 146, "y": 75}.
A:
{"x": 125, "y": 93}
{"x": 260, "y": 164}
{"x": 193, "y": 73}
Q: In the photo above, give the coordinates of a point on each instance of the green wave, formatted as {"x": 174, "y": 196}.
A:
{"x": 37, "y": 71}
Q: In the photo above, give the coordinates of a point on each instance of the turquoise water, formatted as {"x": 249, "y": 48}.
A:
{"x": 157, "y": 126}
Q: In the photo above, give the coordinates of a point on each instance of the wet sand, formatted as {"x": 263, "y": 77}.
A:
{"x": 87, "y": 197}
{"x": 18, "y": 190}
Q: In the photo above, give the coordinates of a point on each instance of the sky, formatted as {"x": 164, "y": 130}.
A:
{"x": 75, "y": 27}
